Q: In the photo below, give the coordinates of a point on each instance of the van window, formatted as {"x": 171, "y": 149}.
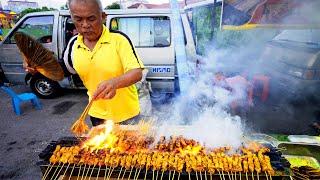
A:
{"x": 40, "y": 28}
{"x": 144, "y": 31}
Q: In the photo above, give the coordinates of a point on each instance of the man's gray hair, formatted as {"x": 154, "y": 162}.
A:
{"x": 98, "y": 2}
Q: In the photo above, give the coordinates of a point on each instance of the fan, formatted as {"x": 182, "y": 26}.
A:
{"x": 38, "y": 57}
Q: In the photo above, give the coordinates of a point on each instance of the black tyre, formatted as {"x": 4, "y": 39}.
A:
{"x": 44, "y": 87}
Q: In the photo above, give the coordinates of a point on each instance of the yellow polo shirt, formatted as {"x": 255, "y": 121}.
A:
{"x": 112, "y": 56}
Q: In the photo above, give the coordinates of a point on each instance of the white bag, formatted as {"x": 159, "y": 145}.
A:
{"x": 144, "y": 89}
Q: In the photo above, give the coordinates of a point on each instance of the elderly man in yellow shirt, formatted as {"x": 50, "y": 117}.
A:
{"x": 106, "y": 62}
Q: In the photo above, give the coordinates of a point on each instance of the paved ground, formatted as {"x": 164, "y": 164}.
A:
{"x": 24, "y": 137}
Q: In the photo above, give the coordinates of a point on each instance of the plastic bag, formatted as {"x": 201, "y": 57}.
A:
{"x": 144, "y": 89}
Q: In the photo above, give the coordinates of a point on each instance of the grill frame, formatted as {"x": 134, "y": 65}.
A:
{"x": 280, "y": 164}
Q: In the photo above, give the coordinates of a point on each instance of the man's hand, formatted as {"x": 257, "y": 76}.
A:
{"x": 29, "y": 69}
{"x": 106, "y": 90}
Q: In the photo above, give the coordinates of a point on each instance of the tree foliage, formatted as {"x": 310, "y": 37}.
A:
{"x": 30, "y": 10}
{"x": 114, "y": 6}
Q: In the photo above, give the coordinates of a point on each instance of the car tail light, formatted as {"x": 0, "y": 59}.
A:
{"x": 309, "y": 74}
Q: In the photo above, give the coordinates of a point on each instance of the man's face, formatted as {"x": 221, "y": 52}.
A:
{"x": 87, "y": 18}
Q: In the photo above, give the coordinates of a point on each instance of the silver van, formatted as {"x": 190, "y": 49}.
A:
{"x": 150, "y": 31}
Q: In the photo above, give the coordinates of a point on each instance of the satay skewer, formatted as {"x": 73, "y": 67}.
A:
{"x": 98, "y": 172}
{"x": 138, "y": 173}
{"x": 266, "y": 175}
{"x": 47, "y": 171}
{"x": 84, "y": 170}
{"x": 54, "y": 173}
{"x": 74, "y": 165}
{"x": 65, "y": 171}
{"x": 130, "y": 173}
{"x": 119, "y": 173}
{"x": 173, "y": 174}
{"x": 92, "y": 172}
{"x": 123, "y": 173}
{"x": 179, "y": 176}
{"x": 58, "y": 172}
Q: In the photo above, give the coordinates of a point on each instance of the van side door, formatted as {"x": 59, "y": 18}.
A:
{"x": 41, "y": 28}
{"x": 151, "y": 36}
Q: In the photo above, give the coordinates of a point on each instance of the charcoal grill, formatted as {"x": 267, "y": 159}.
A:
{"x": 66, "y": 171}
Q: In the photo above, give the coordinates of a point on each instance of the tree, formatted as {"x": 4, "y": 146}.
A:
{"x": 64, "y": 7}
{"x": 30, "y": 10}
{"x": 113, "y": 6}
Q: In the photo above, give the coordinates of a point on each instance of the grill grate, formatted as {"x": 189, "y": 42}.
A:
{"x": 57, "y": 171}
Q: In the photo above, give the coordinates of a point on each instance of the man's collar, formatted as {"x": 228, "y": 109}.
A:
{"x": 104, "y": 38}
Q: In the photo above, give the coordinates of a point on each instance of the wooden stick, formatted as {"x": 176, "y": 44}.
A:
{"x": 130, "y": 173}
{"x": 179, "y": 176}
{"x": 200, "y": 175}
{"x": 92, "y": 171}
{"x": 229, "y": 175}
{"x": 119, "y": 173}
{"x": 223, "y": 176}
{"x": 65, "y": 171}
{"x": 124, "y": 173}
{"x": 162, "y": 174}
{"x": 84, "y": 169}
{"x": 258, "y": 175}
{"x": 85, "y": 177}
{"x": 235, "y": 175}
{"x": 45, "y": 173}
{"x": 153, "y": 174}
{"x": 72, "y": 171}
{"x": 79, "y": 172}
{"x": 105, "y": 172}
{"x": 266, "y": 175}
{"x": 145, "y": 175}
{"x": 54, "y": 173}
{"x": 219, "y": 175}
{"x": 189, "y": 175}
{"x": 59, "y": 171}
{"x": 174, "y": 171}
{"x": 135, "y": 174}
{"x": 197, "y": 175}
{"x": 270, "y": 176}
{"x": 98, "y": 173}
{"x": 240, "y": 174}
{"x": 110, "y": 173}
{"x": 169, "y": 175}
{"x": 138, "y": 173}
{"x": 205, "y": 175}
{"x": 246, "y": 176}
{"x": 252, "y": 175}
{"x": 157, "y": 175}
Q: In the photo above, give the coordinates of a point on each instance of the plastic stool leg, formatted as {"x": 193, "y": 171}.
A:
{"x": 16, "y": 106}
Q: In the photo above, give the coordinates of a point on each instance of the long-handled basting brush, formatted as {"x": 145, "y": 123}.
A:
{"x": 38, "y": 57}
{"x": 80, "y": 127}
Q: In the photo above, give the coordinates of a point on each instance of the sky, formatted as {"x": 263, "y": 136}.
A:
{"x": 58, "y": 3}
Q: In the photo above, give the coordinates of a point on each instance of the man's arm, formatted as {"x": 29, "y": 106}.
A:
{"x": 107, "y": 89}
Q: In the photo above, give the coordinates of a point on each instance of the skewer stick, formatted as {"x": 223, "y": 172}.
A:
{"x": 110, "y": 173}
{"x": 84, "y": 170}
{"x": 252, "y": 175}
{"x": 59, "y": 171}
{"x": 145, "y": 175}
{"x": 98, "y": 173}
{"x": 74, "y": 165}
{"x": 47, "y": 170}
{"x": 266, "y": 175}
{"x": 130, "y": 173}
{"x": 246, "y": 176}
{"x": 162, "y": 174}
{"x": 65, "y": 171}
{"x": 92, "y": 172}
{"x": 78, "y": 172}
{"x": 119, "y": 173}
{"x": 232, "y": 177}
{"x": 138, "y": 173}
{"x": 229, "y": 175}
{"x": 197, "y": 175}
{"x": 169, "y": 175}
{"x": 240, "y": 175}
{"x": 189, "y": 175}
{"x": 205, "y": 175}
{"x": 123, "y": 173}
{"x": 200, "y": 175}
{"x": 270, "y": 176}
{"x": 85, "y": 177}
{"x": 153, "y": 174}
{"x": 258, "y": 175}
{"x": 157, "y": 175}
{"x": 174, "y": 171}
{"x": 219, "y": 175}
{"x": 105, "y": 172}
{"x": 135, "y": 174}
{"x": 54, "y": 173}
{"x": 210, "y": 176}
{"x": 179, "y": 176}
{"x": 235, "y": 175}
{"x": 223, "y": 176}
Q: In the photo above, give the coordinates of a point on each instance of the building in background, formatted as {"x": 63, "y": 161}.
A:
{"x": 18, "y": 6}
{"x": 146, "y": 5}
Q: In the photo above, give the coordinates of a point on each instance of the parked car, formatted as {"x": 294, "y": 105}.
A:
{"x": 292, "y": 61}
{"x": 150, "y": 31}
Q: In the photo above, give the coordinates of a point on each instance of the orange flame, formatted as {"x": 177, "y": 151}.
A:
{"x": 193, "y": 150}
{"x": 101, "y": 137}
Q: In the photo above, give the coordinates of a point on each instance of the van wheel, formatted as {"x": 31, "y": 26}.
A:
{"x": 159, "y": 98}
{"x": 44, "y": 87}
